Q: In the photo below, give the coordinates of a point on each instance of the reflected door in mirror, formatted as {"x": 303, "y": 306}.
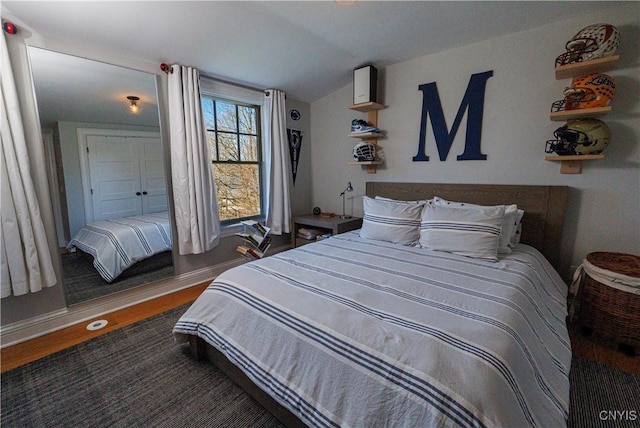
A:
{"x": 126, "y": 175}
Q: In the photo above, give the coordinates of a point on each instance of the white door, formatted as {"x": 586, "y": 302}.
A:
{"x": 153, "y": 185}
{"x": 123, "y": 173}
{"x": 115, "y": 177}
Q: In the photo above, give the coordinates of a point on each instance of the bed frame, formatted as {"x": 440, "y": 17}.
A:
{"x": 544, "y": 208}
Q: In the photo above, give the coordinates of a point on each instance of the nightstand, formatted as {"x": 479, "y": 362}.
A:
{"x": 333, "y": 225}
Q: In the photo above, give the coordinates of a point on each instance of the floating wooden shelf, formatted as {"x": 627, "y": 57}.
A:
{"x": 586, "y": 67}
{"x": 365, "y": 135}
{"x": 365, "y": 107}
{"x": 371, "y": 109}
{"x": 579, "y": 114}
{"x": 371, "y": 166}
{"x": 572, "y": 164}
{"x": 376, "y": 162}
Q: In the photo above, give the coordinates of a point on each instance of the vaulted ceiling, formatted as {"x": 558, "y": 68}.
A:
{"x": 306, "y": 48}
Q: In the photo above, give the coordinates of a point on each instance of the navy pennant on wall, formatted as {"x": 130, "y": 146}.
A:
{"x": 295, "y": 141}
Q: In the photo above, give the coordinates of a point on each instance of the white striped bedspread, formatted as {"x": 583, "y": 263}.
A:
{"x": 355, "y": 332}
{"x": 118, "y": 243}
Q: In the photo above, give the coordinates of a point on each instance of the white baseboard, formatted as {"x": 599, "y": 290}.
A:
{"x": 24, "y": 330}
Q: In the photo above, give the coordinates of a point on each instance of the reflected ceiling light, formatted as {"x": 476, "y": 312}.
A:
{"x": 134, "y": 108}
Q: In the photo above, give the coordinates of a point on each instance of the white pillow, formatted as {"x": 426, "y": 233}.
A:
{"x": 382, "y": 198}
{"x": 391, "y": 221}
{"x": 515, "y": 238}
{"x": 468, "y": 232}
{"x": 511, "y": 220}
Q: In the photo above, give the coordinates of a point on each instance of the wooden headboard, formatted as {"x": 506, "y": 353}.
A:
{"x": 543, "y": 206}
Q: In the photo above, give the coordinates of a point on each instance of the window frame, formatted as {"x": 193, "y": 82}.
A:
{"x": 238, "y": 134}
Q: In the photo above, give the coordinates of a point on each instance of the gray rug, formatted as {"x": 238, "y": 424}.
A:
{"x": 82, "y": 281}
{"x": 138, "y": 377}
{"x": 602, "y": 396}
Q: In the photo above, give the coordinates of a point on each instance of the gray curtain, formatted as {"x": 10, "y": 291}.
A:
{"x": 194, "y": 193}
{"x": 25, "y": 259}
{"x": 278, "y": 166}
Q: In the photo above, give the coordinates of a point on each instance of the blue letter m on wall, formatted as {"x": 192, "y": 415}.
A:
{"x": 473, "y": 103}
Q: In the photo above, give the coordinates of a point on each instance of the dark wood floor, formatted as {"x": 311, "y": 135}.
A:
{"x": 34, "y": 349}
{"x": 23, "y": 353}
{"x": 587, "y": 348}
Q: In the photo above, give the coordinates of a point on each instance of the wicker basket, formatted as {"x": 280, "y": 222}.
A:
{"x": 610, "y": 315}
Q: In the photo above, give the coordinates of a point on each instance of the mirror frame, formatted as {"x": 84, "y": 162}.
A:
{"x": 156, "y": 107}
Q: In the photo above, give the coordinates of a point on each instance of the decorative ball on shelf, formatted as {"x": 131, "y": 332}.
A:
{"x": 592, "y": 42}
{"x": 317, "y": 211}
{"x": 580, "y": 137}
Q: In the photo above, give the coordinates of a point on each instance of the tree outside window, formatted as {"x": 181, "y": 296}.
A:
{"x": 233, "y": 134}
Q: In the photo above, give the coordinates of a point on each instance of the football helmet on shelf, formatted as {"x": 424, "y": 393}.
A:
{"x": 364, "y": 152}
{"x": 580, "y": 137}
{"x": 593, "y": 41}
{"x": 592, "y": 90}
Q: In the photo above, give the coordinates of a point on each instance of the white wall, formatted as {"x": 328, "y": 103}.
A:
{"x": 604, "y": 203}
{"x": 22, "y": 311}
{"x": 301, "y": 188}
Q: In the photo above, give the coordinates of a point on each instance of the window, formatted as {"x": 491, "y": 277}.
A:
{"x": 233, "y": 132}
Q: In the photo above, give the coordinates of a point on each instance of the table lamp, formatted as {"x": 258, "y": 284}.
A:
{"x": 348, "y": 189}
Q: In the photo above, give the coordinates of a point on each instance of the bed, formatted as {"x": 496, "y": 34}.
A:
{"x": 118, "y": 243}
{"x": 352, "y": 331}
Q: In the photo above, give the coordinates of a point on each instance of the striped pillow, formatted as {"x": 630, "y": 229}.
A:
{"x": 472, "y": 233}
{"x": 391, "y": 221}
{"x": 510, "y": 222}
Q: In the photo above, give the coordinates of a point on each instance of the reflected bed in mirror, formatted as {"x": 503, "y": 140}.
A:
{"x": 106, "y": 168}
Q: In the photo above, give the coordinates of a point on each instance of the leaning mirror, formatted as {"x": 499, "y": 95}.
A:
{"x": 106, "y": 173}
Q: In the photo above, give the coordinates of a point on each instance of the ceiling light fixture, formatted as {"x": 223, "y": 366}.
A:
{"x": 134, "y": 108}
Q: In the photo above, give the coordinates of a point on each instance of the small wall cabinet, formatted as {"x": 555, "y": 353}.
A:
{"x": 573, "y": 164}
{"x": 371, "y": 109}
